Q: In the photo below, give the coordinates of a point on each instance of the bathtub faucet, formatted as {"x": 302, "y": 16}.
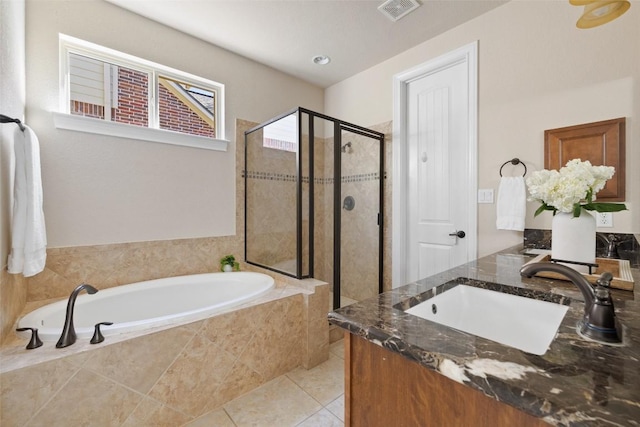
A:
{"x": 68, "y": 336}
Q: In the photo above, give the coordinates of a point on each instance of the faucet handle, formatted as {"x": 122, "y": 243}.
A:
{"x": 35, "y": 341}
{"x": 97, "y": 335}
{"x": 605, "y": 279}
{"x": 602, "y": 291}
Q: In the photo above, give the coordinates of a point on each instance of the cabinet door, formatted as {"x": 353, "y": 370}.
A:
{"x": 383, "y": 388}
{"x": 602, "y": 143}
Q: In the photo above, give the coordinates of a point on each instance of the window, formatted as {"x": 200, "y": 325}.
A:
{"x": 114, "y": 89}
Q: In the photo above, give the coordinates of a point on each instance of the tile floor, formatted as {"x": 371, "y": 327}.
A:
{"x": 300, "y": 398}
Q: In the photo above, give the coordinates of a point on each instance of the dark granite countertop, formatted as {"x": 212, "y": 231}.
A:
{"x": 575, "y": 383}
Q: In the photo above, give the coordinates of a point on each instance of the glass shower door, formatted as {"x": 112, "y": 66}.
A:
{"x": 358, "y": 212}
{"x": 271, "y": 191}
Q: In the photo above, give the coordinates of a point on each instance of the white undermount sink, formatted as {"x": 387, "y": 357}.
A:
{"x": 524, "y": 323}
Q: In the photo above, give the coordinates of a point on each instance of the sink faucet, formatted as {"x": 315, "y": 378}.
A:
{"x": 612, "y": 245}
{"x": 68, "y": 336}
{"x": 599, "y": 321}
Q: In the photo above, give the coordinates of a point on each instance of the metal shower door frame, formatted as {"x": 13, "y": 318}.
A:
{"x": 338, "y": 127}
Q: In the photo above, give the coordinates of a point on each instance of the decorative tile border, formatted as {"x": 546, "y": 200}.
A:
{"x": 271, "y": 176}
{"x": 361, "y": 177}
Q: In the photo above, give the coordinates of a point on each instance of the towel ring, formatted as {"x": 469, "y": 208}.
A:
{"x": 514, "y": 162}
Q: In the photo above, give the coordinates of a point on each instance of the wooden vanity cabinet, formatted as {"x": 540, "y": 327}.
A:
{"x": 383, "y": 388}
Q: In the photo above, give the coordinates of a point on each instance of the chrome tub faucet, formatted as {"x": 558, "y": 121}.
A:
{"x": 68, "y": 336}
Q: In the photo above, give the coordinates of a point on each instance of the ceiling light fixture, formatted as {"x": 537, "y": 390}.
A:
{"x": 321, "y": 59}
{"x": 598, "y": 12}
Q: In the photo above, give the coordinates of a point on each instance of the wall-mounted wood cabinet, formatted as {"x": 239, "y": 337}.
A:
{"x": 602, "y": 143}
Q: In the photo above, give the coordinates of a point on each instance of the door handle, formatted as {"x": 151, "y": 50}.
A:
{"x": 460, "y": 234}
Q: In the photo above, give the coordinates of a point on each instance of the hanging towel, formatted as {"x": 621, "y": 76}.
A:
{"x": 511, "y": 205}
{"x": 28, "y": 233}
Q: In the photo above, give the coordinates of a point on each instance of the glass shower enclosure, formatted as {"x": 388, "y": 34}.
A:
{"x": 314, "y": 202}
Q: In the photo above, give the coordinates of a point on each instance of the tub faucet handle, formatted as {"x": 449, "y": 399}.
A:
{"x": 97, "y": 335}
{"x": 35, "y": 341}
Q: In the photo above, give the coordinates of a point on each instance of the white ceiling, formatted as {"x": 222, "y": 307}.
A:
{"x": 286, "y": 34}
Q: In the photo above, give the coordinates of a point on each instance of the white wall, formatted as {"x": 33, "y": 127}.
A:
{"x": 537, "y": 71}
{"x": 100, "y": 189}
{"x": 12, "y": 104}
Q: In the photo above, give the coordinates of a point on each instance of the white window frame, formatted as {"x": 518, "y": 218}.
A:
{"x": 64, "y": 120}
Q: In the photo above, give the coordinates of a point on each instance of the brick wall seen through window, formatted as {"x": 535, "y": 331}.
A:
{"x": 177, "y": 116}
{"x": 181, "y": 107}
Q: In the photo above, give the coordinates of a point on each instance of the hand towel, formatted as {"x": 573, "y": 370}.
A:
{"x": 511, "y": 205}
{"x": 28, "y": 234}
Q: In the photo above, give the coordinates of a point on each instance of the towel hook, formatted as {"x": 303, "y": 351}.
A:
{"x": 514, "y": 162}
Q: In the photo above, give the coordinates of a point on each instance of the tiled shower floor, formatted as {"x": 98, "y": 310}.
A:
{"x": 300, "y": 398}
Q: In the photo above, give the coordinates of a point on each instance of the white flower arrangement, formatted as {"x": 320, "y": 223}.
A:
{"x": 571, "y": 189}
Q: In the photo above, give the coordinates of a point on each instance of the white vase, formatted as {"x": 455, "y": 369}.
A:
{"x": 227, "y": 268}
{"x": 574, "y": 239}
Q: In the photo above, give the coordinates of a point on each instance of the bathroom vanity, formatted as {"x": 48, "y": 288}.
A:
{"x": 404, "y": 370}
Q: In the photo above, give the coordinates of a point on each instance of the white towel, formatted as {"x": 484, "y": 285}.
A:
{"x": 512, "y": 203}
{"x": 28, "y": 233}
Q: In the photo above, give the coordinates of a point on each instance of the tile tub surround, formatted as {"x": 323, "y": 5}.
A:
{"x": 171, "y": 376}
{"x": 106, "y": 266}
{"x": 576, "y": 382}
{"x": 13, "y": 296}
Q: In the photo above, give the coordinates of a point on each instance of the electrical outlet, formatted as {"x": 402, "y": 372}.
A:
{"x": 604, "y": 219}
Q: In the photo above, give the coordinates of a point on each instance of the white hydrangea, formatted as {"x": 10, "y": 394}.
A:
{"x": 563, "y": 189}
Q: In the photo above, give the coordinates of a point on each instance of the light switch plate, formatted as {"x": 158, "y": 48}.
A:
{"x": 604, "y": 219}
{"x": 485, "y": 195}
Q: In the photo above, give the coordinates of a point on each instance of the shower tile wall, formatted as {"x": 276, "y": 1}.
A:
{"x": 359, "y": 228}
{"x": 359, "y": 275}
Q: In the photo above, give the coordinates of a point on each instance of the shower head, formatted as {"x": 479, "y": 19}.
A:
{"x": 345, "y": 147}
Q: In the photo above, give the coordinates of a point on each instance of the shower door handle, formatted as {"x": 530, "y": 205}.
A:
{"x": 459, "y": 234}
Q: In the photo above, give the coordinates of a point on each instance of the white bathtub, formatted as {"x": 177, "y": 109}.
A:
{"x": 148, "y": 304}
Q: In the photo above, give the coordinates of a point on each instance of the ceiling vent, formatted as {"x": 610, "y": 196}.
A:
{"x": 396, "y": 9}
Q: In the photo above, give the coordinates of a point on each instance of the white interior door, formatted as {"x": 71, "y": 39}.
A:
{"x": 439, "y": 173}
